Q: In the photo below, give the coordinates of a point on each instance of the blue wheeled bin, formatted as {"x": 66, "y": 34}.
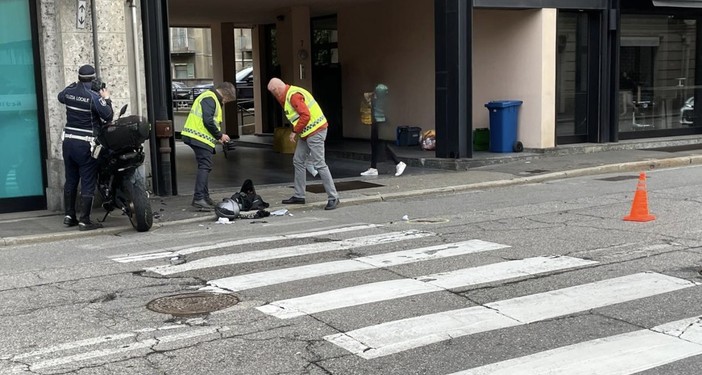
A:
{"x": 503, "y": 125}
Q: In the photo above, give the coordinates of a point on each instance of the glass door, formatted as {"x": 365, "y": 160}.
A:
{"x": 21, "y": 170}
{"x": 577, "y": 77}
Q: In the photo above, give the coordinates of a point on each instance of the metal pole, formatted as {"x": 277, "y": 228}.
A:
{"x": 135, "y": 47}
{"x": 93, "y": 14}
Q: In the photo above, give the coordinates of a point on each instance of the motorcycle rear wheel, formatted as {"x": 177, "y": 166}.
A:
{"x": 140, "y": 214}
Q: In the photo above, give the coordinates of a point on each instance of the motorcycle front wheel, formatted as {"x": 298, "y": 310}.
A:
{"x": 140, "y": 214}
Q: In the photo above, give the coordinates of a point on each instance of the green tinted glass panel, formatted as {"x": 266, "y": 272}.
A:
{"x": 20, "y": 153}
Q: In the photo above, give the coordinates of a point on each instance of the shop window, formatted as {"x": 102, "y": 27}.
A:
{"x": 657, "y": 74}
{"x": 20, "y": 151}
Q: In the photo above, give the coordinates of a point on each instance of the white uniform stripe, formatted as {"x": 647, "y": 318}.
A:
{"x": 267, "y": 278}
{"x": 78, "y": 109}
{"x": 145, "y": 344}
{"x": 286, "y": 252}
{"x": 393, "y": 289}
{"x": 246, "y": 241}
{"x": 624, "y": 354}
{"x": 396, "y": 336}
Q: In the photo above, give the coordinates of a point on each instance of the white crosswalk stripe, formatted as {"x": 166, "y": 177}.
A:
{"x": 628, "y": 353}
{"x": 37, "y": 361}
{"x": 267, "y": 278}
{"x": 291, "y": 251}
{"x": 245, "y": 241}
{"x": 387, "y": 290}
{"x": 397, "y": 336}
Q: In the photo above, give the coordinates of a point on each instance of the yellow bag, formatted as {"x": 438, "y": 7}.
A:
{"x": 281, "y": 140}
{"x": 366, "y": 115}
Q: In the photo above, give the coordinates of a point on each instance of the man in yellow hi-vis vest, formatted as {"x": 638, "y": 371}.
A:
{"x": 202, "y": 130}
{"x": 310, "y": 126}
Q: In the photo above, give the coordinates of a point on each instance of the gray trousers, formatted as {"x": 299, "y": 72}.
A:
{"x": 313, "y": 148}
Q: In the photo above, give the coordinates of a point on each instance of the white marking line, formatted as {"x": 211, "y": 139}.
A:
{"x": 400, "y": 335}
{"x": 148, "y": 343}
{"x": 291, "y": 251}
{"x": 624, "y": 354}
{"x": 75, "y": 344}
{"x": 246, "y": 241}
{"x": 92, "y": 341}
{"x": 267, "y": 278}
{"x": 393, "y": 289}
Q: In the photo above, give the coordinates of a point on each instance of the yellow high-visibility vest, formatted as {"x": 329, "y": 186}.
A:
{"x": 195, "y": 125}
{"x": 317, "y": 119}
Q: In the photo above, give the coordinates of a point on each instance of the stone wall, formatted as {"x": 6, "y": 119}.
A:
{"x": 64, "y": 48}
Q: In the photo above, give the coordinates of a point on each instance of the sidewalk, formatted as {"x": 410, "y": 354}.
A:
{"x": 483, "y": 171}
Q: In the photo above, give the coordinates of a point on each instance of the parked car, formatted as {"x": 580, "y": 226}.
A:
{"x": 180, "y": 91}
{"x": 199, "y": 89}
{"x": 244, "y": 87}
{"x": 687, "y": 112}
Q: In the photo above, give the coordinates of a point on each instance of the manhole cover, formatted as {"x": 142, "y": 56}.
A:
{"x": 428, "y": 221}
{"x": 192, "y": 303}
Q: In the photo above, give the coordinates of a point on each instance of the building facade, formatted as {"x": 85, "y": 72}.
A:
{"x": 587, "y": 71}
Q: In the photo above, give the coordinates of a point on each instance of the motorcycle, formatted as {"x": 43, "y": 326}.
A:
{"x": 119, "y": 184}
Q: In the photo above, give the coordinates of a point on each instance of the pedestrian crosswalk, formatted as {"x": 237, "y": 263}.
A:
{"x": 387, "y": 290}
{"x": 455, "y": 266}
{"x": 397, "y": 336}
{"x": 627, "y": 353}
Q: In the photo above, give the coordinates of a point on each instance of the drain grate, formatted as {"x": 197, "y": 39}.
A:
{"x": 429, "y": 221}
{"x": 618, "y": 178}
{"x": 691, "y": 147}
{"x": 537, "y": 171}
{"x": 342, "y": 186}
{"x": 192, "y": 303}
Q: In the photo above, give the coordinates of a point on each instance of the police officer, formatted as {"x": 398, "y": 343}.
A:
{"x": 201, "y": 132}
{"x": 88, "y": 107}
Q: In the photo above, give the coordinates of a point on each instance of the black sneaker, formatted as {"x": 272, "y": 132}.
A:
{"x": 331, "y": 204}
{"x": 89, "y": 225}
{"x": 210, "y": 201}
{"x": 70, "y": 221}
{"x": 294, "y": 200}
{"x": 202, "y": 205}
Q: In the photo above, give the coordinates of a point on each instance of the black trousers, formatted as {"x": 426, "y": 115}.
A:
{"x": 80, "y": 167}
{"x": 379, "y": 146}
{"x": 203, "y": 156}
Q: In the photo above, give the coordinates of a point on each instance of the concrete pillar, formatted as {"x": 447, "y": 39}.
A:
{"x": 225, "y": 51}
{"x": 293, "y": 38}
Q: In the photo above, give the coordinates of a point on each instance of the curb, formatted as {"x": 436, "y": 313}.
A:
{"x": 380, "y": 197}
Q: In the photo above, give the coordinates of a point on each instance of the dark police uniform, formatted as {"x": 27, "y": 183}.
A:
{"x": 86, "y": 111}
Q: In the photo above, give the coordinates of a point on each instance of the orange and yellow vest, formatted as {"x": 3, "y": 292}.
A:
{"x": 317, "y": 119}
{"x": 195, "y": 125}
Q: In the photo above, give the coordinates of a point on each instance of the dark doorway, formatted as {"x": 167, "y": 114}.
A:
{"x": 577, "y": 77}
{"x": 326, "y": 73}
{"x": 271, "y": 114}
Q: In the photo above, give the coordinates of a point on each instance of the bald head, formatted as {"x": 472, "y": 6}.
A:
{"x": 276, "y": 86}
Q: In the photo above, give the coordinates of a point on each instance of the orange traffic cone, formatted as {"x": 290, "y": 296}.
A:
{"x": 639, "y": 208}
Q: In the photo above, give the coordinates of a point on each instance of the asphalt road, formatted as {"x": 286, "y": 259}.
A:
{"x": 535, "y": 279}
